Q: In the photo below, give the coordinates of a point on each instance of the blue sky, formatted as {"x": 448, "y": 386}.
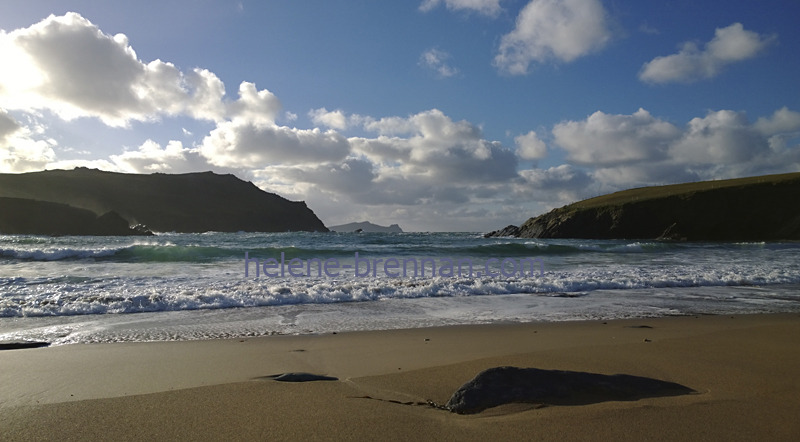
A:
{"x": 434, "y": 114}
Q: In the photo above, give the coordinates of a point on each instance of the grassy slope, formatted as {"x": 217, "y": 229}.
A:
{"x": 754, "y": 208}
{"x": 647, "y": 193}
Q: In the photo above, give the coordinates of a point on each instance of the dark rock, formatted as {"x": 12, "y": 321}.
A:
{"x": 141, "y": 229}
{"x": 191, "y": 202}
{"x": 510, "y": 230}
{"x": 503, "y": 385}
{"x": 745, "y": 209}
{"x": 300, "y": 377}
{"x": 18, "y": 345}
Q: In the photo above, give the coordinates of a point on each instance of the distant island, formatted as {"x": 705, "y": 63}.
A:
{"x": 89, "y": 201}
{"x": 366, "y": 227}
{"x": 763, "y": 208}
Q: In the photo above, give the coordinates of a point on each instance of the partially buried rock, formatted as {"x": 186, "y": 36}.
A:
{"x": 301, "y": 377}
{"x": 18, "y": 345}
{"x": 503, "y": 385}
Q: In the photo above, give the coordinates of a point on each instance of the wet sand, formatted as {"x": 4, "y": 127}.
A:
{"x": 744, "y": 369}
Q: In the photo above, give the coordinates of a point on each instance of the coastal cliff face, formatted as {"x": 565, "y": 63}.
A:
{"x": 748, "y": 209}
{"x": 30, "y": 217}
{"x": 192, "y": 202}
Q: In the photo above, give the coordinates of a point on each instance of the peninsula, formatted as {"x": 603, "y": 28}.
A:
{"x": 761, "y": 208}
{"x": 186, "y": 203}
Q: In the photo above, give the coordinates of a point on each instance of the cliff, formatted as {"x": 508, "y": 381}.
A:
{"x": 367, "y": 227}
{"x": 23, "y": 216}
{"x": 192, "y": 202}
{"x": 746, "y": 209}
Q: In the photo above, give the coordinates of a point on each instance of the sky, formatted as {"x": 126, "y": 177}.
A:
{"x": 438, "y": 115}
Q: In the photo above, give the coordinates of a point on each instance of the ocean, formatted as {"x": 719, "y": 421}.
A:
{"x": 66, "y": 290}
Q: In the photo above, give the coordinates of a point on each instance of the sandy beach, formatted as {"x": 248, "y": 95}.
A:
{"x": 744, "y": 370}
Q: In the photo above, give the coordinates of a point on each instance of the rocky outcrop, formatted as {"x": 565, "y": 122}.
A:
{"x": 192, "y": 202}
{"x": 366, "y": 227}
{"x": 29, "y": 217}
{"x": 510, "y": 230}
{"x": 747, "y": 209}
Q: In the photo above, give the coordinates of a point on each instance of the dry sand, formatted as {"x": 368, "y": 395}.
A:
{"x": 745, "y": 370}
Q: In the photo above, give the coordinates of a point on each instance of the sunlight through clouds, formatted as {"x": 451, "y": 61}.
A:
{"x": 395, "y": 124}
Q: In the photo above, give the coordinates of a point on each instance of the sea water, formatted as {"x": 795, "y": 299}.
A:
{"x": 172, "y": 286}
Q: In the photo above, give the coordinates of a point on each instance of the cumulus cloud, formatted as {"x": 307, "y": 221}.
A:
{"x": 721, "y": 137}
{"x": 783, "y": 121}
{"x": 623, "y": 151}
{"x": 437, "y": 61}
{"x": 76, "y": 70}
{"x": 604, "y": 139}
{"x": 151, "y": 157}
{"x": 730, "y": 44}
{"x": 260, "y": 107}
{"x": 559, "y": 184}
{"x": 486, "y": 7}
{"x": 8, "y": 125}
{"x": 250, "y": 145}
{"x": 23, "y": 147}
{"x": 436, "y": 145}
{"x": 66, "y": 64}
{"x": 530, "y": 147}
{"x": 333, "y": 119}
{"x": 421, "y": 160}
{"x": 561, "y": 30}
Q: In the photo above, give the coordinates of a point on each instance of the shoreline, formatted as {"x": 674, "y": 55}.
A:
{"x": 743, "y": 368}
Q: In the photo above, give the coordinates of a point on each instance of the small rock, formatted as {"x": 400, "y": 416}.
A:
{"x": 301, "y": 377}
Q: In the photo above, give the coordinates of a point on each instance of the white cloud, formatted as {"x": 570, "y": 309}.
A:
{"x": 721, "y": 137}
{"x": 151, "y": 157}
{"x": 23, "y": 148}
{"x": 530, "y": 147}
{"x": 624, "y": 151}
{"x": 435, "y": 145}
{"x": 486, "y": 7}
{"x": 260, "y": 107}
{"x": 425, "y": 160}
{"x": 781, "y": 128}
{"x": 782, "y": 121}
{"x": 351, "y": 178}
{"x": 553, "y": 30}
{"x": 561, "y": 184}
{"x": 332, "y": 119}
{"x": 82, "y": 72}
{"x": 8, "y": 126}
{"x": 604, "y": 139}
{"x": 206, "y": 100}
{"x": 68, "y": 65}
{"x": 250, "y": 145}
{"x": 437, "y": 61}
{"x": 729, "y": 45}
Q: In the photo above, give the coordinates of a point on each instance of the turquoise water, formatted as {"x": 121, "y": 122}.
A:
{"x": 193, "y": 286}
